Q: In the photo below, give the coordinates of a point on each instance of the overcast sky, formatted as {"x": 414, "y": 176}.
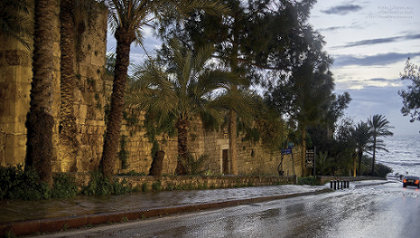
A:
{"x": 370, "y": 40}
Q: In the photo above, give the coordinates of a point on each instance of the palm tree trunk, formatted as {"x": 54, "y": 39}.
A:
{"x": 46, "y": 75}
{"x": 182, "y": 128}
{"x": 303, "y": 152}
{"x": 232, "y": 142}
{"x": 67, "y": 124}
{"x": 113, "y": 127}
{"x": 373, "y": 156}
{"x": 360, "y": 155}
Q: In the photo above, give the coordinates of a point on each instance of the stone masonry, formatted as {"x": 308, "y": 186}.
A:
{"x": 91, "y": 98}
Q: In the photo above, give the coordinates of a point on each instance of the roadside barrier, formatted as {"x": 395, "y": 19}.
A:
{"x": 339, "y": 184}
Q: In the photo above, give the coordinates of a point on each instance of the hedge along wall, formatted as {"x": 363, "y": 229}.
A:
{"x": 150, "y": 183}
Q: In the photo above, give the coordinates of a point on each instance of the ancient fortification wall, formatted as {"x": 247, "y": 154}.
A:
{"x": 90, "y": 96}
{"x": 15, "y": 84}
{"x": 92, "y": 90}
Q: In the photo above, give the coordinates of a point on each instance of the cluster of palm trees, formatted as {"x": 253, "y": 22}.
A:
{"x": 367, "y": 137}
{"x": 182, "y": 90}
{"x": 127, "y": 19}
{"x": 179, "y": 94}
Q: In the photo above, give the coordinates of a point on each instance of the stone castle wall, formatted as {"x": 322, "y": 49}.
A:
{"x": 91, "y": 94}
{"x": 15, "y": 84}
{"x": 90, "y": 98}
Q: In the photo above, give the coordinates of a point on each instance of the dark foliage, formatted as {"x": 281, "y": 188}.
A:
{"x": 101, "y": 186}
{"x": 309, "y": 181}
{"x": 16, "y": 183}
{"x": 411, "y": 96}
{"x": 380, "y": 169}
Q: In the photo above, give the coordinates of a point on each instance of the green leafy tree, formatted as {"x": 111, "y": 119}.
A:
{"x": 127, "y": 19}
{"x": 411, "y": 96}
{"x": 227, "y": 33}
{"x": 379, "y": 127}
{"x": 252, "y": 38}
{"x": 305, "y": 96}
{"x": 180, "y": 93}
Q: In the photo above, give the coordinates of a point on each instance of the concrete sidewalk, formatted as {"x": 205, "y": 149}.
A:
{"x": 29, "y": 217}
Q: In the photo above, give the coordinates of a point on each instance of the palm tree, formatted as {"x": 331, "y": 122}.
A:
{"x": 362, "y": 137}
{"x": 379, "y": 127}
{"x": 180, "y": 93}
{"x": 15, "y": 20}
{"x": 239, "y": 104}
{"x": 128, "y": 17}
{"x": 46, "y": 72}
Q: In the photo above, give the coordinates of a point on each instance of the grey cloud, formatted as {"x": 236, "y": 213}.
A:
{"x": 380, "y": 40}
{"x": 379, "y": 80}
{"x": 380, "y": 59}
{"x": 333, "y": 28}
{"x": 342, "y": 9}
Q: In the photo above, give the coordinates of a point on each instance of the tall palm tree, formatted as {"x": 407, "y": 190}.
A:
{"x": 379, "y": 127}
{"x": 67, "y": 119}
{"x": 181, "y": 92}
{"x": 46, "y": 75}
{"x": 362, "y": 137}
{"x": 128, "y": 17}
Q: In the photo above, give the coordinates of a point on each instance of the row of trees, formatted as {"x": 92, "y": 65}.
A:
{"x": 338, "y": 155}
{"x": 215, "y": 55}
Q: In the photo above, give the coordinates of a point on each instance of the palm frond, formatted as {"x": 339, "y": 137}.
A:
{"x": 15, "y": 21}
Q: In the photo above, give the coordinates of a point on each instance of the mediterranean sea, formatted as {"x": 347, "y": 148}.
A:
{"x": 404, "y": 154}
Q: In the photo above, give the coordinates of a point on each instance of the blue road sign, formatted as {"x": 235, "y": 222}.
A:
{"x": 286, "y": 151}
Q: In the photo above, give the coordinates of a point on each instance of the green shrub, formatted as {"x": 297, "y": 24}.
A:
{"x": 308, "y": 181}
{"x": 64, "y": 186}
{"x": 380, "y": 169}
{"x": 100, "y": 186}
{"x": 16, "y": 183}
{"x": 194, "y": 165}
{"x": 170, "y": 186}
{"x": 156, "y": 186}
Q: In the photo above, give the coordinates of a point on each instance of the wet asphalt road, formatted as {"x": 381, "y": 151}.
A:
{"x": 387, "y": 210}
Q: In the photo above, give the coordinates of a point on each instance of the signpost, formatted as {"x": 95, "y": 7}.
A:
{"x": 310, "y": 159}
{"x": 286, "y": 151}
{"x": 310, "y": 155}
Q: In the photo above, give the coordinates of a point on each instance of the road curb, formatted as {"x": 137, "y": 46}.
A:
{"x": 49, "y": 225}
{"x": 372, "y": 184}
